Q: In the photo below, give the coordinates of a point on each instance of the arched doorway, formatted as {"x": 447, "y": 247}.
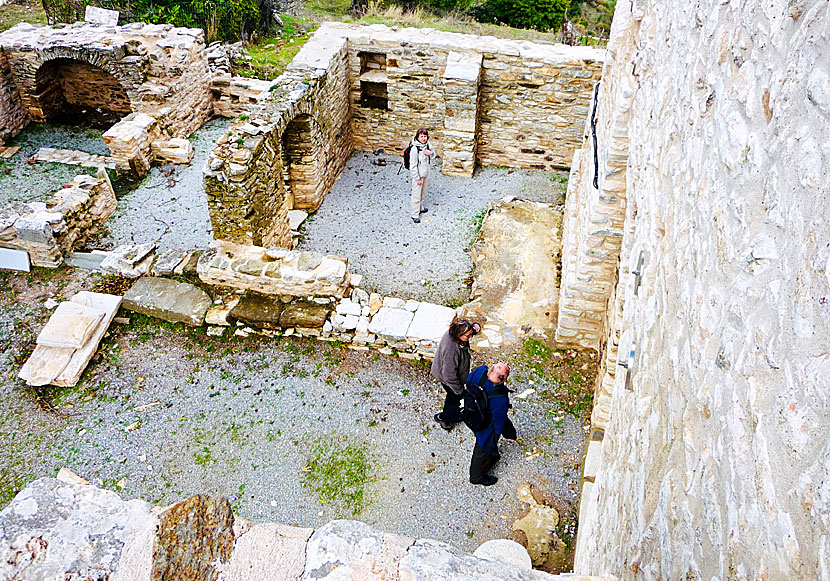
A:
{"x": 73, "y": 91}
{"x": 303, "y": 163}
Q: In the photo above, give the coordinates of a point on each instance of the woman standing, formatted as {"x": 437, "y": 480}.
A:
{"x": 420, "y": 154}
{"x": 451, "y": 367}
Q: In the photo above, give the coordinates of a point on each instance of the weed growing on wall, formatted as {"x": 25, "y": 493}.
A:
{"x": 338, "y": 472}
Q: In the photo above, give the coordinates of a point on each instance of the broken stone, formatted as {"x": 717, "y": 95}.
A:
{"x": 361, "y": 297}
{"x": 218, "y": 314}
{"x": 85, "y": 260}
{"x": 267, "y": 551}
{"x": 347, "y": 307}
{"x": 166, "y": 262}
{"x": 128, "y": 260}
{"x": 309, "y": 261}
{"x": 169, "y": 300}
{"x": 296, "y": 218}
{"x": 375, "y": 303}
{"x": 504, "y": 551}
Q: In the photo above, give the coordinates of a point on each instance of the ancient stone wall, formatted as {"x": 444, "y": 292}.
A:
{"x": 47, "y": 231}
{"x": 13, "y": 116}
{"x": 263, "y": 168}
{"x": 162, "y": 70}
{"x": 531, "y": 105}
{"x": 714, "y": 462}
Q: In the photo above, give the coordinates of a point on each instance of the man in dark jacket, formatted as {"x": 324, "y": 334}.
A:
{"x": 486, "y": 450}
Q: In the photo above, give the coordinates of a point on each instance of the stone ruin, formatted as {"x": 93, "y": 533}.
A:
{"x": 486, "y": 101}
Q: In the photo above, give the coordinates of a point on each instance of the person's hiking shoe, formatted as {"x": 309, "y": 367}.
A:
{"x": 424, "y": 210}
{"x": 486, "y": 481}
{"x": 446, "y": 425}
{"x": 416, "y": 220}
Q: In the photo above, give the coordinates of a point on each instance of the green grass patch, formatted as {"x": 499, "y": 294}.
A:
{"x": 338, "y": 472}
{"x": 21, "y": 11}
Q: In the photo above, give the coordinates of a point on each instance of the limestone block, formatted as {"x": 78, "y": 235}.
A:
{"x": 166, "y": 262}
{"x": 430, "y": 322}
{"x": 86, "y": 260}
{"x": 391, "y": 323}
{"x": 344, "y": 549}
{"x": 305, "y": 314}
{"x": 504, "y": 551}
{"x": 347, "y": 307}
{"x": 268, "y": 551}
{"x": 14, "y": 260}
{"x": 175, "y": 150}
{"x": 34, "y": 543}
{"x": 173, "y": 301}
{"x": 427, "y": 560}
{"x": 258, "y": 310}
{"x": 71, "y": 325}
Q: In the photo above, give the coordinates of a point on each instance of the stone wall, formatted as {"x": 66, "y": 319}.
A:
{"x": 532, "y": 98}
{"x": 47, "y": 231}
{"x": 232, "y": 96}
{"x": 162, "y": 70}
{"x": 201, "y": 538}
{"x": 248, "y": 171}
{"x": 13, "y": 116}
{"x": 714, "y": 462}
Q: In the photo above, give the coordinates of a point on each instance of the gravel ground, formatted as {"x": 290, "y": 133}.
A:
{"x": 21, "y": 181}
{"x": 165, "y": 412}
{"x": 365, "y": 218}
{"x": 169, "y": 207}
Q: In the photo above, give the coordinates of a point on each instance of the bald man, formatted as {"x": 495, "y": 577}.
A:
{"x": 486, "y": 450}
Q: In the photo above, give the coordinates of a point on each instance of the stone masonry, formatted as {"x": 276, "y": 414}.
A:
{"x": 154, "y": 69}
{"x": 714, "y": 119}
{"x": 12, "y": 114}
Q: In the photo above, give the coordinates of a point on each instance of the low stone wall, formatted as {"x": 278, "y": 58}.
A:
{"x": 47, "y": 231}
{"x": 136, "y": 141}
{"x": 286, "y": 153}
{"x": 201, "y": 536}
{"x": 162, "y": 70}
{"x": 13, "y": 115}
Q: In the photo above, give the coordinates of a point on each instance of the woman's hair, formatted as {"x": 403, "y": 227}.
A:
{"x": 421, "y": 131}
{"x": 458, "y": 327}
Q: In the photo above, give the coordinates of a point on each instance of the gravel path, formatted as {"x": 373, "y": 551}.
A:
{"x": 168, "y": 412}
{"x": 21, "y": 181}
{"x": 169, "y": 207}
{"x": 365, "y": 218}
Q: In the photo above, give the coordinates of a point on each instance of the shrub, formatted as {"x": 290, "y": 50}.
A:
{"x": 537, "y": 14}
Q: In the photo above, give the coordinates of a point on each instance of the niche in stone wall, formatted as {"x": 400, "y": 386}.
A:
{"x": 373, "y": 80}
{"x": 302, "y": 162}
{"x": 72, "y": 91}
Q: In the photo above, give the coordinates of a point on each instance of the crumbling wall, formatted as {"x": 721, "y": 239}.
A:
{"x": 245, "y": 177}
{"x": 163, "y": 70}
{"x": 715, "y": 459}
{"x": 47, "y": 231}
{"x": 13, "y": 116}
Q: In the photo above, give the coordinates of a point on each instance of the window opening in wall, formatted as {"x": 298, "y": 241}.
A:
{"x": 373, "y": 80}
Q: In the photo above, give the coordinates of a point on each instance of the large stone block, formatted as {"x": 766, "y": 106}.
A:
{"x": 391, "y": 324}
{"x": 173, "y": 301}
{"x": 258, "y": 310}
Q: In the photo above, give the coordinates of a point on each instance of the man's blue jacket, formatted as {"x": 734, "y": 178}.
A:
{"x": 488, "y": 438}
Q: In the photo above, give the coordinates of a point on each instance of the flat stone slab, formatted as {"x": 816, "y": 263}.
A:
{"x": 130, "y": 260}
{"x": 296, "y": 218}
{"x": 85, "y": 260}
{"x": 167, "y": 261}
{"x": 430, "y": 322}
{"x": 14, "y": 260}
{"x": 177, "y": 302}
{"x": 268, "y": 551}
{"x": 391, "y": 323}
{"x": 304, "y": 314}
{"x": 71, "y": 325}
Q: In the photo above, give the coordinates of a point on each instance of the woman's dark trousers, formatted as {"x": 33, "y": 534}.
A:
{"x": 451, "y": 413}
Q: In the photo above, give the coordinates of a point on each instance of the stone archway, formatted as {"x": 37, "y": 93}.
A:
{"x": 68, "y": 88}
{"x": 303, "y": 163}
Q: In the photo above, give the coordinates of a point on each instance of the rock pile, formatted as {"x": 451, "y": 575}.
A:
{"x": 47, "y": 231}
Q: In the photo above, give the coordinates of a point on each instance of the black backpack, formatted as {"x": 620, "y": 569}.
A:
{"x": 406, "y": 155}
{"x": 476, "y": 414}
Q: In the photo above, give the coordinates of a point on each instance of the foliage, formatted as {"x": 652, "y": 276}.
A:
{"x": 535, "y": 14}
{"x": 22, "y": 11}
{"x": 220, "y": 19}
{"x": 338, "y": 473}
{"x": 270, "y": 55}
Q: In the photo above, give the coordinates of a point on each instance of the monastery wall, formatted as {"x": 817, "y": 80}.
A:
{"x": 13, "y": 116}
{"x": 715, "y": 460}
